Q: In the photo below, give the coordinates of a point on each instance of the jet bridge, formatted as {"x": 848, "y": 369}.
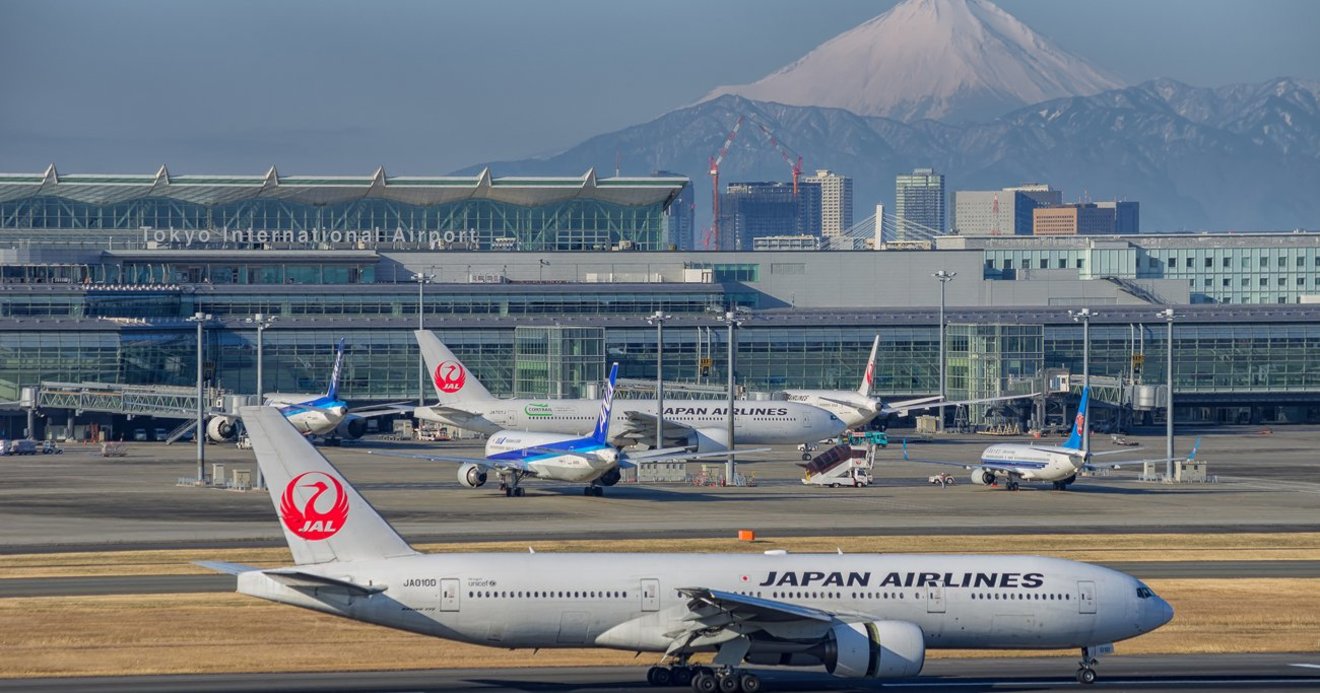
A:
{"x": 166, "y": 401}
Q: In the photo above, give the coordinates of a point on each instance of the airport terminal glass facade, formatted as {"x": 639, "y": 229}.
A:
{"x": 477, "y": 212}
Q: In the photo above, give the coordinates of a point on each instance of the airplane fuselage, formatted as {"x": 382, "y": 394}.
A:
{"x": 1033, "y": 463}
{"x": 310, "y": 414}
{"x": 857, "y": 412}
{"x": 568, "y": 466}
{"x": 629, "y": 601}
{"x": 755, "y": 422}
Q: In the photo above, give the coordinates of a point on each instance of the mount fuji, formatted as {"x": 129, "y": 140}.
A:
{"x": 949, "y": 60}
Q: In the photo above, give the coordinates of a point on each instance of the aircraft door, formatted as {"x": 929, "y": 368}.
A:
{"x": 449, "y": 594}
{"x": 1085, "y": 597}
{"x": 935, "y": 599}
{"x": 650, "y": 594}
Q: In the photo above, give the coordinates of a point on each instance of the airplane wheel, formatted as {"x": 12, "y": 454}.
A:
{"x": 508, "y": 492}
{"x": 597, "y": 491}
{"x": 680, "y": 676}
{"x": 586, "y": 490}
{"x": 704, "y": 682}
{"x": 729, "y": 683}
{"x": 519, "y": 492}
{"x": 1086, "y": 676}
{"x": 751, "y": 683}
{"x": 657, "y": 676}
{"x": 1012, "y": 486}
{"x": 806, "y": 457}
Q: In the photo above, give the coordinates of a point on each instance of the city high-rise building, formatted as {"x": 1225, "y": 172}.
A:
{"x": 1082, "y": 219}
{"x": 1127, "y": 215}
{"x": 753, "y": 210}
{"x": 1006, "y": 212}
{"x": 680, "y": 217}
{"x": 919, "y": 204}
{"x": 836, "y": 192}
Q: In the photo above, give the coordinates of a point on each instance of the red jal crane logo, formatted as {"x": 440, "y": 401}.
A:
{"x": 307, "y": 521}
{"x": 450, "y": 376}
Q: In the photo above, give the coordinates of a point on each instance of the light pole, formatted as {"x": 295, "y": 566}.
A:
{"x": 422, "y": 280}
{"x": 659, "y": 321}
{"x": 945, "y": 278}
{"x": 1167, "y": 314}
{"x": 730, "y": 467}
{"x": 540, "y": 270}
{"x": 1084, "y": 316}
{"x": 200, "y": 435}
{"x": 261, "y": 321}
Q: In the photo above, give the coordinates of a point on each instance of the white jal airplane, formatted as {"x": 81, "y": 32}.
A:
{"x": 324, "y": 415}
{"x": 513, "y": 455}
{"x": 699, "y": 425}
{"x": 1058, "y": 464}
{"x": 857, "y": 408}
{"x": 860, "y": 616}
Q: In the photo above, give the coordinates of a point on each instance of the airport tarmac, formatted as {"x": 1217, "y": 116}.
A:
{"x": 1278, "y": 672}
{"x": 82, "y": 501}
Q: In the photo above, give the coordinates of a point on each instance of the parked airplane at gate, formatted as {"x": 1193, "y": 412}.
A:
{"x": 857, "y": 408}
{"x": 697, "y": 424}
{"x": 513, "y": 455}
{"x": 1058, "y": 464}
{"x": 860, "y": 616}
{"x": 324, "y": 415}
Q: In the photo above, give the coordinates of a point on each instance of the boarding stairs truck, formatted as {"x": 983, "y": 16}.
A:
{"x": 841, "y": 465}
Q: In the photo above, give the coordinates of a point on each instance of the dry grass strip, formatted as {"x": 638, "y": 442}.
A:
{"x": 155, "y": 634}
{"x": 1117, "y": 547}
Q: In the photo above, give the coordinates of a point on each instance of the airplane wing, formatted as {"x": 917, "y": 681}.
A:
{"x": 454, "y": 414}
{"x": 641, "y": 427}
{"x": 383, "y": 409}
{"x": 517, "y": 465}
{"x": 910, "y": 405}
{"x": 716, "y": 616}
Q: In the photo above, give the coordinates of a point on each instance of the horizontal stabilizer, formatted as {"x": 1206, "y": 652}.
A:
{"x": 225, "y": 567}
{"x": 299, "y": 578}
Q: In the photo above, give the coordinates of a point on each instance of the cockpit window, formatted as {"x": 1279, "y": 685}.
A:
{"x": 1144, "y": 592}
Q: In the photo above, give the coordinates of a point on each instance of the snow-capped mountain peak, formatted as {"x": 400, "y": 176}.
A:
{"x": 953, "y": 60}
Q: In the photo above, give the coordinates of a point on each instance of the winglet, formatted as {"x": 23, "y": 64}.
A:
{"x": 333, "y": 391}
{"x": 1074, "y": 441}
{"x": 601, "y": 434}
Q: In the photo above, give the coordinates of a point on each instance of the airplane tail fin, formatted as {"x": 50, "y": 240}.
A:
{"x": 601, "y": 434}
{"x": 452, "y": 380}
{"x": 333, "y": 390}
{"x": 1191, "y": 456}
{"x": 323, "y": 517}
{"x": 1074, "y": 441}
{"x": 868, "y": 378}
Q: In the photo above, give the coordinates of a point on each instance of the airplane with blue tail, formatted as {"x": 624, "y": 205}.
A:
{"x": 324, "y": 414}
{"x": 1018, "y": 462}
{"x": 590, "y": 459}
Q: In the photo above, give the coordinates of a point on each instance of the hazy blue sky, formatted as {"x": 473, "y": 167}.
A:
{"x": 333, "y": 87}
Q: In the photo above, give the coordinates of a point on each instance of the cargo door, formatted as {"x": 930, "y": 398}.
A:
{"x": 935, "y": 599}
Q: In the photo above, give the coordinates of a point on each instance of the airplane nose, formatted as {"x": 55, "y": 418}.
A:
{"x": 1161, "y": 612}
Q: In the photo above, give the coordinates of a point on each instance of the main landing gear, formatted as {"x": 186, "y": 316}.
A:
{"x": 1012, "y": 484}
{"x": 705, "y": 679}
{"x": 509, "y": 485}
{"x": 593, "y": 490}
{"x": 1065, "y": 483}
{"x": 1086, "y": 667}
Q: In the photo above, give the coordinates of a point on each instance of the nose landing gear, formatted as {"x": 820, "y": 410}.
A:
{"x": 1086, "y": 667}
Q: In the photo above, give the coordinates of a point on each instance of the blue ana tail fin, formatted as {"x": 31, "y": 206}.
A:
{"x": 601, "y": 434}
{"x": 1191, "y": 456}
{"x": 1074, "y": 441}
{"x": 333, "y": 391}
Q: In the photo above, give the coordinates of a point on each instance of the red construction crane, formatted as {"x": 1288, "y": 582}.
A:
{"x": 788, "y": 154}
{"x": 713, "y": 234}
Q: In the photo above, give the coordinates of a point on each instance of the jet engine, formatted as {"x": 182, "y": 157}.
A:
{"x": 874, "y": 650}
{"x": 221, "y": 429}
{"x": 708, "y": 440}
{"x": 352, "y": 427}
{"x": 610, "y": 478}
{"x": 472, "y": 475}
{"x": 982, "y": 476}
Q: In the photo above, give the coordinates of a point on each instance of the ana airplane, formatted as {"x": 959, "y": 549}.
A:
{"x": 699, "y": 425}
{"x": 515, "y": 455}
{"x": 324, "y": 415}
{"x": 860, "y": 616}
{"x": 1058, "y": 464}
{"x": 856, "y": 408}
